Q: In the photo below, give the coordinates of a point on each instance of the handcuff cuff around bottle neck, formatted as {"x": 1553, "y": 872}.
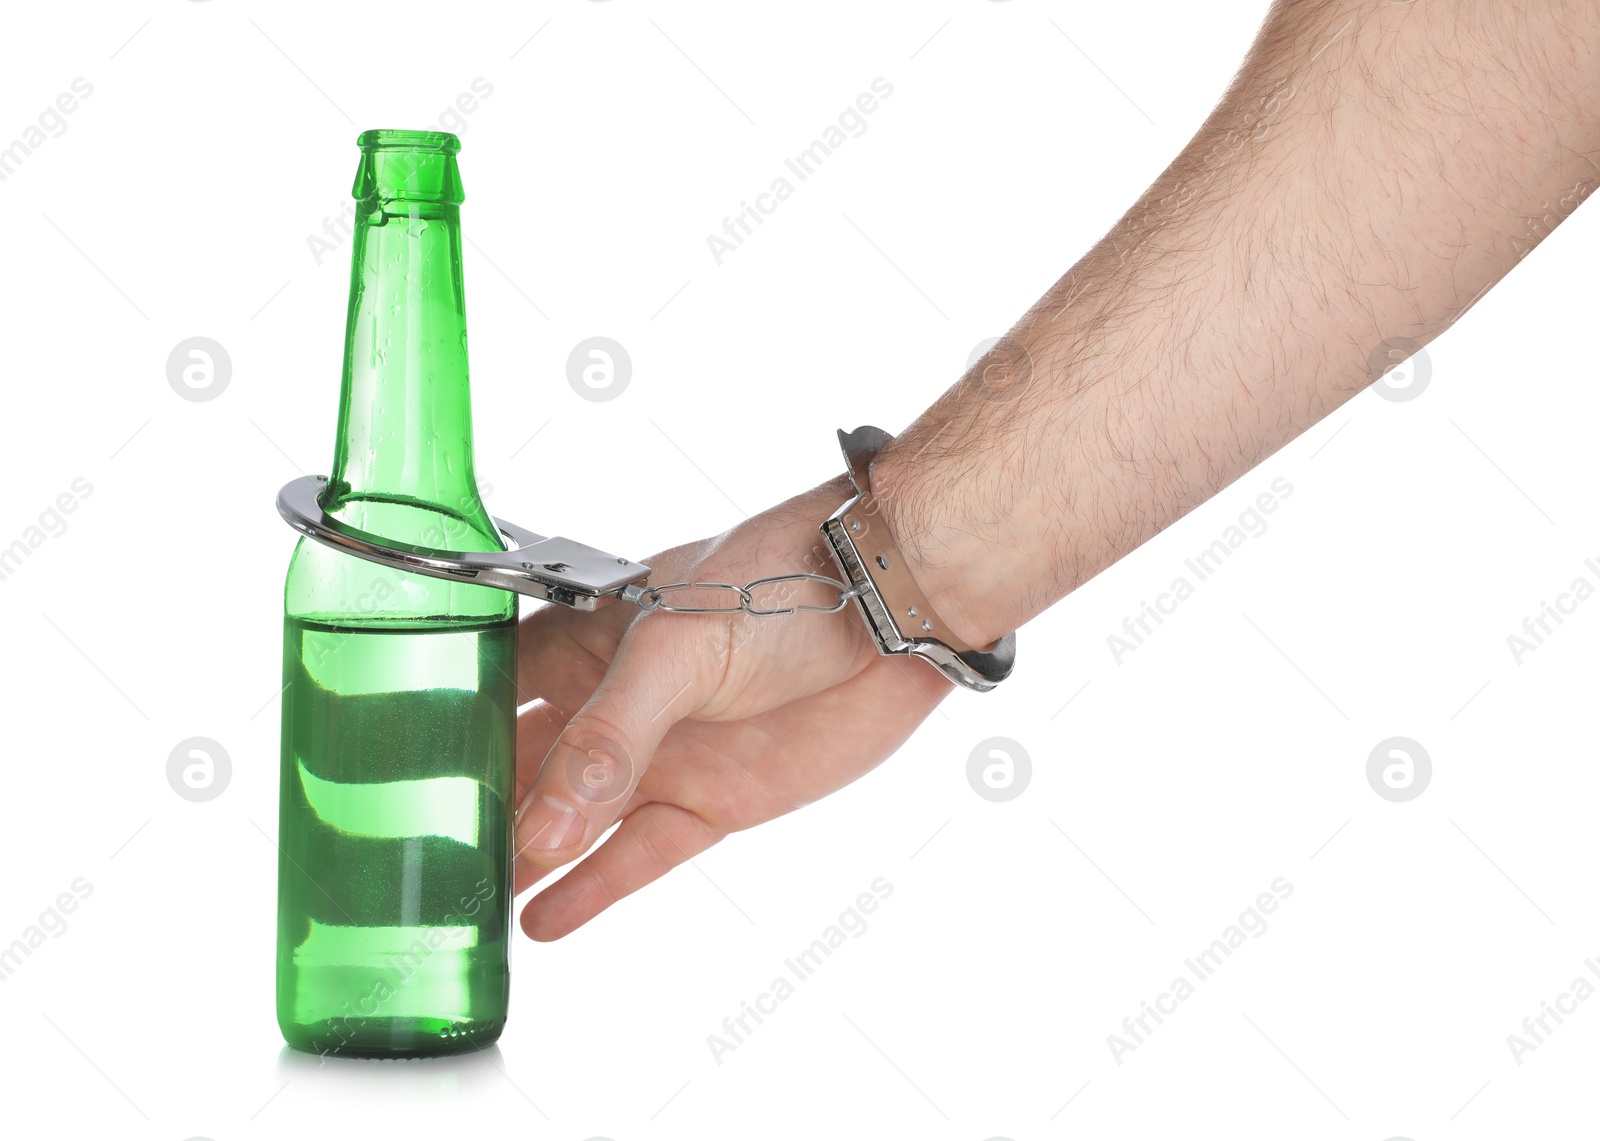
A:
{"x": 898, "y": 616}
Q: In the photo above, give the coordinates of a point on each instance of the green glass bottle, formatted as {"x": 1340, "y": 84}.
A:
{"x": 399, "y": 701}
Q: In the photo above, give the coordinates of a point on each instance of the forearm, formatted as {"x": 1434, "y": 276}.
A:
{"x": 1374, "y": 168}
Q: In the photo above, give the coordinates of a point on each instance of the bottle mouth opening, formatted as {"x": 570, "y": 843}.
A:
{"x": 438, "y": 142}
{"x": 408, "y": 166}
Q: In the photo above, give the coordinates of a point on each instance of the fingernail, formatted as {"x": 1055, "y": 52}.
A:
{"x": 548, "y": 825}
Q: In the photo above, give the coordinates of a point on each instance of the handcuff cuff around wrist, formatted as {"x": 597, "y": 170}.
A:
{"x": 899, "y": 618}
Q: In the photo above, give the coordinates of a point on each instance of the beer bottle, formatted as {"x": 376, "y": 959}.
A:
{"x": 399, "y": 700}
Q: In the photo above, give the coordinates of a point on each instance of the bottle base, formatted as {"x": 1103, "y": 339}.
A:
{"x": 392, "y": 1038}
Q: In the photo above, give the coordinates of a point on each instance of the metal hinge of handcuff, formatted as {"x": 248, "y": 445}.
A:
{"x": 898, "y": 615}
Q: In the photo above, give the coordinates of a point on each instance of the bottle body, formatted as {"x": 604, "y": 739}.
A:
{"x": 399, "y": 700}
{"x": 394, "y": 836}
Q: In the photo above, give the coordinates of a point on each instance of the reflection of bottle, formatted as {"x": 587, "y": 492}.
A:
{"x": 399, "y": 706}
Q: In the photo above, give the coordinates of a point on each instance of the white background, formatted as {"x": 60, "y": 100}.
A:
{"x": 1228, "y": 751}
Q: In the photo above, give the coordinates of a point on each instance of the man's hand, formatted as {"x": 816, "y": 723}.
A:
{"x": 688, "y": 727}
{"x": 1371, "y": 172}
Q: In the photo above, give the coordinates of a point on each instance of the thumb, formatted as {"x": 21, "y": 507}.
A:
{"x": 661, "y": 672}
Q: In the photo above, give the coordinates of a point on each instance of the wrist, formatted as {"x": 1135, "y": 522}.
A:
{"x": 953, "y": 544}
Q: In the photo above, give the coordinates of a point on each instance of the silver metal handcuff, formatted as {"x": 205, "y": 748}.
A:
{"x": 898, "y": 616}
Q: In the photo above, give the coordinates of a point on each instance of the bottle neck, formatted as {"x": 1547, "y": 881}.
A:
{"x": 403, "y": 460}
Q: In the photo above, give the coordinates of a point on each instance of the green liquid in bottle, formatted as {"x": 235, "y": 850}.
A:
{"x": 393, "y": 899}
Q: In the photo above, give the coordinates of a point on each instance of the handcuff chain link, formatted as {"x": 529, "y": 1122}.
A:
{"x": 649, "y": 598}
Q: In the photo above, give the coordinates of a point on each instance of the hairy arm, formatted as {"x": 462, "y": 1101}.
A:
{"x": 1373, "y": 169}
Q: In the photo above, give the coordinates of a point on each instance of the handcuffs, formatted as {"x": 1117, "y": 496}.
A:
{"x": 899, "y": 618}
